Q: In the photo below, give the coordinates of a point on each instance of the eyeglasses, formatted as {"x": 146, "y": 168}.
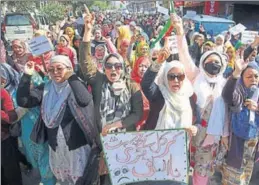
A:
{"x": 58, "y": 70}
{"x": 117, "y": 66}
{"x": 171, "y": 77}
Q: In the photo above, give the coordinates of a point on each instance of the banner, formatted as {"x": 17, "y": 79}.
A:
{"x": 239, "y": 28}
{"x": 39, "y": 45}
{"x": 211, "y": 7}
{"x": 146, "y": 156}
{"x": 248, "y": 36}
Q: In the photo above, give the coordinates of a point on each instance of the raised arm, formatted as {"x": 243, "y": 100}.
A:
{"x": 191, "y": 70}
{"x": 148, "y": 85}
{"x": 89, "y": 69}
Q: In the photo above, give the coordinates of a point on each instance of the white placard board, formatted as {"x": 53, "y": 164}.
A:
{"x": 172, "y": 44}
{"x": 248, "y": 36}
{"x": 146, "y": 156}
{"x": 239, "y": 28}
{"x": 162, "y": 10}
{"x": 39, "y": 45}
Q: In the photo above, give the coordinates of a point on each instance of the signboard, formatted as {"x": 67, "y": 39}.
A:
{"x": 146, "y": 156}
{"x": 39, "y": 45}
{"x": 172, "y": 44}
{"x": 248, "y": 36}
{"x": 211, "y": 7}
{"x": 162, "y": 10}
{"x": 239, "y": 28}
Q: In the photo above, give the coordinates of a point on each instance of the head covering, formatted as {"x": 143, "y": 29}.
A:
{"x": 17, "y": 42}
{"x": 61, "y": 59}
{"x": 134, "y": 74}
{"x": 66, "y": 37}
{"x": 67, "y": 52}
{"x": 22, "y": 59}
{"x": 205, "y": 94}
{"x": 100, "y": 62}
{"x": 220, "y": 48}
{"x": 139, "y": 47}
{"x": 124, "y": 33}
{"x": 177, "y": 111}
{"x": 112, "y": 110}
{"x": 69, "y": 29}
{"x": 38, "y": 33}
{"x": 55, "y": 96}
{"x": 231, "y": 61}
{"x": 2, "y": 52}
{"x": 11, "y": 76}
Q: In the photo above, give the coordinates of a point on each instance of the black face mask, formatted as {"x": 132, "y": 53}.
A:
{"x": 212, "y": 68}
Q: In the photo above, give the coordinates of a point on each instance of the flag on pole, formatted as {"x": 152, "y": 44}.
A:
{"x": 168, "y": 28}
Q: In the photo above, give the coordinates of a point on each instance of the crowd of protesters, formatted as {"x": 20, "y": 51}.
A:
{"x": 103, "y": 76}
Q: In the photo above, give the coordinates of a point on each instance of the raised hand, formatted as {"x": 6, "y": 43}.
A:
{"x": 89, "y": 20}
{"x": 240, "y": 64}
{"x": 163, "y": 54}
{"x": 29, "y": 67}
{"x": 177, "y": 23}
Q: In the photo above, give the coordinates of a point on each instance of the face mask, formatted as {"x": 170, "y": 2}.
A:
{"x": 212, "y": 68}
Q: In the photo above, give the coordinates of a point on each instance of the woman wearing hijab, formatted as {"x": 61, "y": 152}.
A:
{"x": 219, "y": 41}
{"x": 118, "y": 101}
{"x": 169, "y": 92}
{"x": 123, "y": 33}
{"x": 231, "y": 53}
{"x": 67, "y": 114}
{"x": 137, "y": 74}
{"x": 36, "y": 154}
{"x": 70, "y": 32}
{"x": 208, "y": 83}
{"x": 100, "y": 54}
{"x": 64, "y": 42}
{"x": 241, "y": 95}
{"x": 76, "y": 43}
{"x": 20, "y": 54}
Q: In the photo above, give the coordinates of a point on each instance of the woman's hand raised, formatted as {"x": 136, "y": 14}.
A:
{"x": 89, "y": 20}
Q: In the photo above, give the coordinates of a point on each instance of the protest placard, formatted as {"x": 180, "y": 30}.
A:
{"x": 239, "y": 28}
{"x": 248, "y": 36}
{"x": 146, "y": 156}
{"x": 39, "y": 45}
{"x": 172, "y": 44}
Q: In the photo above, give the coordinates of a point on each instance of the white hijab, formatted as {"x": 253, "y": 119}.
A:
{"x": 177, "y": 111}
{"x": 220, "y": 48}
{"x": 55, "y": 96}
{"x": 204, "y": 91}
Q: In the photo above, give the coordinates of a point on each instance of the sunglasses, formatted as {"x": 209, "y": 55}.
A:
{"x": 58, "y": 70}
{"x": 117, "y": 66}
{"x": 171, "y": 77}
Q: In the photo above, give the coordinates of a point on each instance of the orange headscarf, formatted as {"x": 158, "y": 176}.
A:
{"x": 134, "y": 73}
{"x": 135, "y": 77}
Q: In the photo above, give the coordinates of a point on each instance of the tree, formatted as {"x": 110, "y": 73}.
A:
{"x": 54, "y": 10}
{"x": 103, "y": 5}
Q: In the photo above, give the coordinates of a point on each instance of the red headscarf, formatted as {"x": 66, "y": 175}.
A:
{"x": 135, "y": 76}
{"x": 134, "y": 73}
{"x": 68, "y": 52}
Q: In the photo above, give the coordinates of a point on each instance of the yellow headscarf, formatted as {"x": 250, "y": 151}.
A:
{"x": 124, "y": 33}
{"x": 231, "y": 61}
{"x": 38, "y": 33}
{"x": 70, "y": 29}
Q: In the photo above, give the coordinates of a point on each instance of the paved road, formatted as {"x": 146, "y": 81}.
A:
{"x": 33, "y": 178}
